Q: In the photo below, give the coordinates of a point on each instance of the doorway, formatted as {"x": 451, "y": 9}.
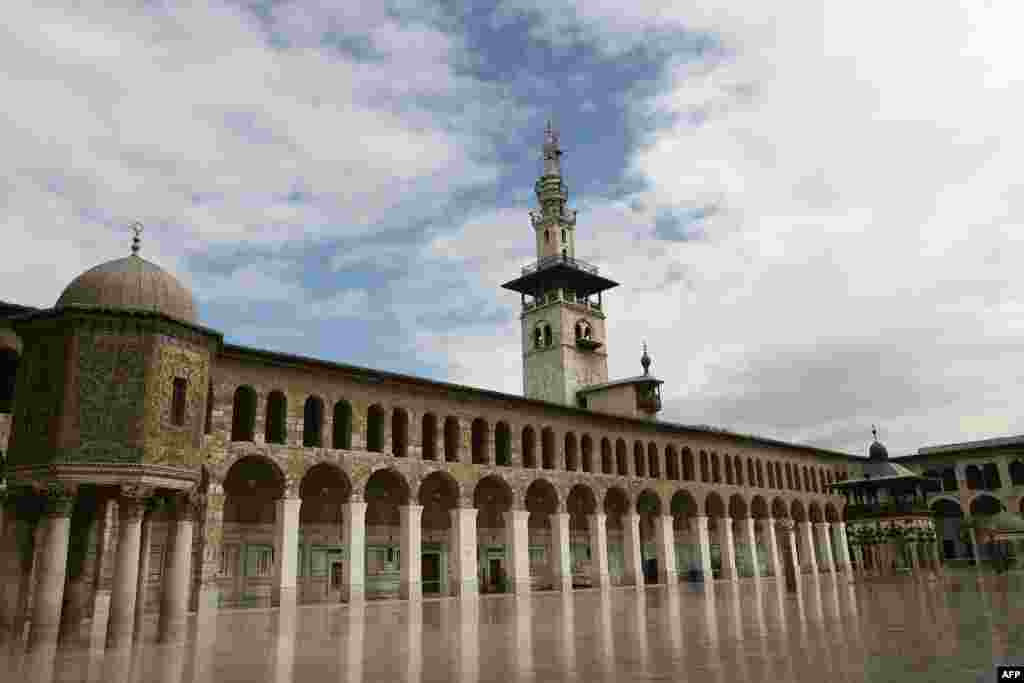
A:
{"x": 495, "y": 576}
{"x": 431, "y": 573}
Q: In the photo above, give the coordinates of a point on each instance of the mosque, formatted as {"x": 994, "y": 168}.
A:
{"x": 150, "y": 469}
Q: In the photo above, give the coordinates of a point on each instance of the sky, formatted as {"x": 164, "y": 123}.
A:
{"x": 813, "y": 209}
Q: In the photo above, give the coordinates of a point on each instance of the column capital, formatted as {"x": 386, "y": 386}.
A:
{"x": 58, "y": 498}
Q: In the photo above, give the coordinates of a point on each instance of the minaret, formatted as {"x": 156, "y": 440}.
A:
{"x": 563, "y": 324}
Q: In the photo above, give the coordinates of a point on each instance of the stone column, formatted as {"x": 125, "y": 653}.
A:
{"x": 518, "y": 535}
{"x": 354, "y": 535}
{"x": 52, "y": 570}
{"x": 210, "y": 534}
{"x": 631, "y": 549}
{"x": 827, "y": 562}
{"x": 286, "y": 548}
{"x": 599, "y": 550}
{"x": 807, "y": 536}
{"x": 177, "y": 568}
{"x": 15, "y": 556}
{"x": 705, "y": 548}
{"x": 751, "y": 524}
{"x": 728, "y": 548}
{"x": 665, "y": 542}
{"x": 561, "y": 553}
{"x": 411, "y": 585}
{"x": 912, "y": 551}
{"x": 839, "y": 533}
{"x": 975, "y": 549}
{"x": 463, "y": 554}
{"x": 937, "y": 551}
{"x": 145, "y": 560}
{"x": 121, "y": 624}
{"x": 791, "y": 540}
{"x": 773, "y": 549}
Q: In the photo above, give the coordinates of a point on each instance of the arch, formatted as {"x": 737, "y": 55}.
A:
{"x": 502, "y": 444}
{"x": 621, "y": 457}
{"x": 638, "y": 458}
{"x": 571, "y": 461}
{"x": 729, "y": 478}
{"x": 990, "y": 476}
{"x": 616, "y": 505}
{"x": 984, "y": 504}
{"x": 949, "y": 482}
{"x": 821, "y": 480}
{"x": 243, "y": 414}
{"x": 738, "y": 508}
{"x": 789, "y": 477}
{"x": 814, "y": 512}
{"x": 1017, "y": 473}
{"x": 428, "y": 438}
{"x": 751, "y": 473}
{"x": 276, "y": 429}
{"x": 796, "y": 511}
{"x": 704, "y": 476}
{"x": 671, "y": 463}
{"x": 807, "y": 480}
{"x": 541, "y": 502}
{"x": 251, "y": 485}
{"x": 452, "y": 438}
{"x": 683, "y": 505}
{"x": 439, "y": 493}
{"x": 653, "y": 468}
{"x": 778, "y": 475}
{"x": 313, "y": 422}
{"x": 580, "y": 504}
{"x": 375, "y": 429}
{"x": 716, "y": 470}
{"x": 324, "y": 488}
{"x": 547, "y": 448}
{"x": 689, "y": 471}
{"x": 759, "y": 508}
{"x": 341, "y": 431}
{"x": 831, "y": 514}
{"x": 760, "y": 474}
{"x": 779, "y": 509}
{"x": 973, "y": 475}
{"x": 771, "y": 475}
{"x": 529, "y": 446}
{"x": 587, "y": 453}
{"x": 492, "y": 497}
{"x": 479, "y": 436}
{"x": 386, "y": 490}
{"x": 934, "y": 486}
{"x": 542, "y": 336}
{"x": 399, "y": 432}
{"x": 713, "y": 505}
{"x": 737, "y": 467}
{"x": 828, "y": 476}
{"x": 606, "y": 456}
{"x": 648, "y": 503}
{"x": 946, "y": 506}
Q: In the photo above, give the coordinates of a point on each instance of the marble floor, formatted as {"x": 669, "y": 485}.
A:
{"x": 898, "y": 629}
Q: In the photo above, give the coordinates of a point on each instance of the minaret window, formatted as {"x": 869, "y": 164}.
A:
{"x": 178, "y": 401}
{"x": 583, "y": 330}
{"x": 547, "y": 236}
{"x": 547, "y": 335}
{"x": 542, "y": 335}
{"x": 563, "y": 235}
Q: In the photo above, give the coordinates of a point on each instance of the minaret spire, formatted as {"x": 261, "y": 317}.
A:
{"x": 552, "y": 166}
{"x": 136, "y": 229}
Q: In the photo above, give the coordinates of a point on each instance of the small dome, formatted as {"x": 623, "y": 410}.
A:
{"x": 878, "y": 452}
{"x": 131, "y": 283}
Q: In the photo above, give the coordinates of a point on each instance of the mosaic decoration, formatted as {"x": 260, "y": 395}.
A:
{"x": 111, "y": 390}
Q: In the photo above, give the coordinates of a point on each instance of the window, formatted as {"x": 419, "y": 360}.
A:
{"x": 178, "y": 401}
{"x": 563, "y": 235}
{"x": 228, "y": 560}
{"x": 583, "y": 330}
{"x": 547, "y": 236}
{"x": 547, "y": 335}
{"x": 262, "y": 558}
{"x": 538, "y": 338}
{"x": 156, "y": 562}
{"x": 542, "y": 336}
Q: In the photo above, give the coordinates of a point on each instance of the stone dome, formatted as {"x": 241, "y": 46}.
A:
{"x": 131, "y": 283}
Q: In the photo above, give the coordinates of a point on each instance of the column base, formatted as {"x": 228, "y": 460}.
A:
{"x": 562, "y": 584}
{"x": 604, "y": 582}
{"x": 100, "y": 615}
{"x": 410, "y": 590}
{"x": 354, "y": 594}
{"x": 468, "y": 588}
{"x": 523, "y": 587}
{"x": 667, "y": 578}
{"x": 280, "y": 595}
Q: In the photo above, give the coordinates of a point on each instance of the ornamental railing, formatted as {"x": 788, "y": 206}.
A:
{"x": 554, "y": 260}
{"x": 854, "y": 512}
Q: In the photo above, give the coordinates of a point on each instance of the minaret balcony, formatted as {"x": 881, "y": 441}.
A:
{"x": 551, "y": 261}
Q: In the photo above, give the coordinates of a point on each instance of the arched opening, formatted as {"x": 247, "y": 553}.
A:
{"x": 243, "y": 414}
{"x": 648, "y": 507}
{"x": 671, "y": 463}
{"x": 821, "y": 480}
{"x": 547, "y": 448}
{"x": 745, "y": 555}
{"x": 760, "y": 475}
{"x": 439, "y": 495}
{"x": 973, "y": 475}
{"x": 277, "y": 413}
{"x": 324, "y": 490}
{"x": 386, "y": 491}
{"x": 778, "y": 475}
{"x": 705, "y": 476}
{"x": 375, "y": 429}
{"x": 313, "y": 422}
{"x": 399, "y": 433}
{"x": 779, "y": 509}
{"x": 502, "y": 444}
{"x": 714, "y": 508}
{"x": 570, "y": 452}
{"x": 638, "y": 458}
{"x": 729, "y": 479}
{"x": 716, "y": 472}
{"x": 738, "y": 470}
{"x": 479, "y": 436}
{"x": 529, "y": 446}
{"x": 208, "y": 424}
{"x": 1017, "y": 473}
{"x": 492, "y": 498}
{"x": 684, "y": 510}
{"x": 541, "y": 503}
{"x": 580, "y": 504}
{"x": 771, "y": 476}
{"x": 341, "y": 435}
{"x": 8, "y": 376}
{"x": 934, "y": 486}
{"x": 606, "y": 456}
{"x": 948, "y": 518}
{"x": 752, "y": 473}
{"x": 689, "y": 473}
{"x": 429, "y": 438}
{"x": 252, "y": 486}
{"x": 990, "y": 477}
{"x": 616, "y": 507}
{"x": 621, "y": 458}
{"x": 653, "y": 467}
{"x": 759, "y": 513}
{"x": 451, "y": 439}
{"x": 587, "y": 453}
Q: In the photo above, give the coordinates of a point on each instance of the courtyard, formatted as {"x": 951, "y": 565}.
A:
{"x": 954, "y": 628}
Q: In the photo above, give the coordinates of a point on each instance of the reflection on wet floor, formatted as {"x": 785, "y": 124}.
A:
{"x": 912, "y": 629}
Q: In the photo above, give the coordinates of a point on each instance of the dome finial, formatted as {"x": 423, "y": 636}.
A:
{"x": 874, "y": 433}
{"x": 645, "y": 360}
{"x": 136, "y": 228}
